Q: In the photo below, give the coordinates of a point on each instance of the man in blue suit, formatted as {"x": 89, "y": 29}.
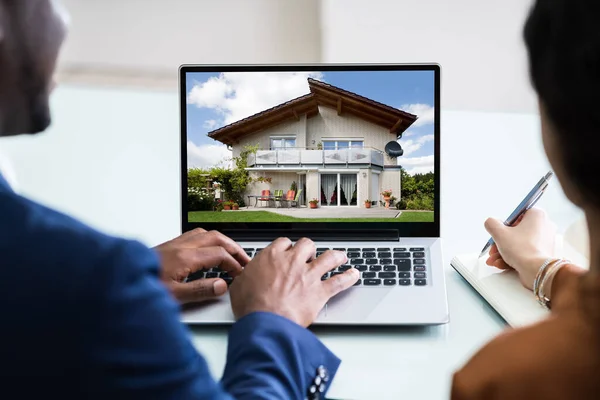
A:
{"x": 88, "y": 316}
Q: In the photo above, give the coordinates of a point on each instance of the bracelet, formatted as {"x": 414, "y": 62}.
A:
{"x": 540, "y": 274}
{"x": 542, "y": 298}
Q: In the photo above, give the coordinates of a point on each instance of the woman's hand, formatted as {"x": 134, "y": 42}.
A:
{"x": 523, "y": 247}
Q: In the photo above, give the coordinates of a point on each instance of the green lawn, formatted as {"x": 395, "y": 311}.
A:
{"x": 266, "y": 216}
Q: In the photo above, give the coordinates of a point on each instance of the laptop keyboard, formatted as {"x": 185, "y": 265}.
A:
{"x": 381, "y": 266}
{"x": 378, "y": 266}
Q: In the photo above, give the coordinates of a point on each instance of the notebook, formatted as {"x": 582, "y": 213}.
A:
{"x": 503, "y": 290}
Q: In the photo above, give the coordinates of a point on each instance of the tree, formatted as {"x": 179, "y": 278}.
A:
{"x": 417, "y": 190}
{"x": 235, "y": 181}
{"x": 408, "y": 184}
{"x": 196, "y": 178}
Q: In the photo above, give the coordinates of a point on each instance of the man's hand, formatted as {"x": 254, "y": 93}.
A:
{"x": 196, "y": 250}
{"x": 286, "y": 280}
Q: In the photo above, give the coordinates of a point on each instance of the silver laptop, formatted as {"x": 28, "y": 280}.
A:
{"x": 346, "y": 155}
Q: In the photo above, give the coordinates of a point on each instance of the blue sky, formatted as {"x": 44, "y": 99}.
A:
{"x": 214, "y": 100}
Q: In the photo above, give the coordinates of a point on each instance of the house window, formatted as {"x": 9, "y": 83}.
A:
{"x": 283, "y": 143}
{"x": 337, "y": 144}
{"x": 339, "y": 189}
{"x": 329, "y": 145}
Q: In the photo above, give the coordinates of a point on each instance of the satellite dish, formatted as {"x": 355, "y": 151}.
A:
{"x": 393, "y": 149}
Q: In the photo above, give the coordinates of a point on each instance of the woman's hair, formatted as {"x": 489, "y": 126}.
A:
{"x": 563, "y": 43}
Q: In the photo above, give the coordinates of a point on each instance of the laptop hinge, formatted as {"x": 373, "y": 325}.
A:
{"x": 331, "y": 235}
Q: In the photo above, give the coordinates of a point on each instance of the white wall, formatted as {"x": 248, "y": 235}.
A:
{"x": 153, "y": 37}
{"x": 263, "y": 138}
{"x": 390, "y": 179}
{"x": 328, "y": 124}
{"x": 477, "y": 43}
{"x": 110, "y": 156}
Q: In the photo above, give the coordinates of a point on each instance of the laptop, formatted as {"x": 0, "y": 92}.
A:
{"x": 346, "y": 155}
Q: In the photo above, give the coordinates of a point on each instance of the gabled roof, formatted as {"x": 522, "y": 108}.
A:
{"x": 321, "y": 94}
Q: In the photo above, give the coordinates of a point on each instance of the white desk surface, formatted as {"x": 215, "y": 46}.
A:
{"x": 489, "y": 162}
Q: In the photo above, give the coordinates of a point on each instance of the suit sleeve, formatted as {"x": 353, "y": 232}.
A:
{"x": 140, "y": 350}
{"x": 271, "y": 357}
{"x": 133, "y": 337}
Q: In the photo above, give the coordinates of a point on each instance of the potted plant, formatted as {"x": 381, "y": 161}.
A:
{"x": 386, "y": 197}
{"x": 313, "y": 203}
{"x": 367, "y": 203}
{"x": 392, "y": 200}
{"x": 386, "y": 194}
{"x": 235, "y": 206}
{"x": 227, "y": 205}
{"x": 294, "y": 187}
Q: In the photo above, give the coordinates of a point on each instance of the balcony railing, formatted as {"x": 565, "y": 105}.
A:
{"x": 305, "y": 157}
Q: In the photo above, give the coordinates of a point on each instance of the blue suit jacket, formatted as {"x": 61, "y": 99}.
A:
{"x": 83, "y": 315}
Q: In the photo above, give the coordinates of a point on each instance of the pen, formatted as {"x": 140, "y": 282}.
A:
{"x": 529, "y": 201}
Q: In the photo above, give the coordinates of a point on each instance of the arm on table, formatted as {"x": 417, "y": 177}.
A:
{"x": 139, "y": 349}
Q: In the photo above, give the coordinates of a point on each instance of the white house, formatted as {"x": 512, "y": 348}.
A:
{"x": 330, "y": 142}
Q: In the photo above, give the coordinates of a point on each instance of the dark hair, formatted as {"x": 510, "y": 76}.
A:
{"x": 563, "y": 41}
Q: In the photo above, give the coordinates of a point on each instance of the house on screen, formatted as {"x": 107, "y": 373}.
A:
{"x": 330, "y": 142}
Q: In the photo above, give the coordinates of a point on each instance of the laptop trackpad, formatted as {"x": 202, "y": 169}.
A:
{"x": 353, "y": 305}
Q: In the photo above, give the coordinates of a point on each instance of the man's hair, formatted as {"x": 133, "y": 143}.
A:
{"x": 563, "y": 41}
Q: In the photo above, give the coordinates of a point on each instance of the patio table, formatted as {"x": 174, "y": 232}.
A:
{"x": 257, "y": 196}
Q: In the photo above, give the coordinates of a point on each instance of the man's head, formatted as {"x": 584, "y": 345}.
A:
{"x": 563, "y": 42}
{"x": 31, "y": 34}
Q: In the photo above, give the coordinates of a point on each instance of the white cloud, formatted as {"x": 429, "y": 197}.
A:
{"x": 418, "y": 165}
{"x": 210, "y": 124}
{"x": 237, "y": 95}
{"x": 206, "y": 155}
{"x": 410, "y": 145}
{"x": 425, "y": 112}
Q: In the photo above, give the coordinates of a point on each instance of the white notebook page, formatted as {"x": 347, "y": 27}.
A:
{"x": 503, "y": 290}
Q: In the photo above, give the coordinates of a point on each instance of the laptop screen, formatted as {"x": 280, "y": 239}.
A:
{"x": 317, "y": 147}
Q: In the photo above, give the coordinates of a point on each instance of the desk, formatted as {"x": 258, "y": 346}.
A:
{"x": 397, "y": 363}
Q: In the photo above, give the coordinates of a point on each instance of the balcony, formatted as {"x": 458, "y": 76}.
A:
{"x": 304, "y": 157}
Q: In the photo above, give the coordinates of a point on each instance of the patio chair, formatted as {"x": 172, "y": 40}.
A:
{"x": 295, "y": 200}
{"x": 290, "y": 195}
{"x": 265, "y": 195}
{"x": 277, "y": 196}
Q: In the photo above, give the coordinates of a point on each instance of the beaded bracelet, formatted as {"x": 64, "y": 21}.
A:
{"x": 542, "y": 298}
{"x": 540, "y": 274}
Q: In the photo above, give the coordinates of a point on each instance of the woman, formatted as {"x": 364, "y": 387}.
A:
{"x": 558, "y": 358}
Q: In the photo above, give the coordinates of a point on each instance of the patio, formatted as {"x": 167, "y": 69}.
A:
{"x": 330, "y": 212}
